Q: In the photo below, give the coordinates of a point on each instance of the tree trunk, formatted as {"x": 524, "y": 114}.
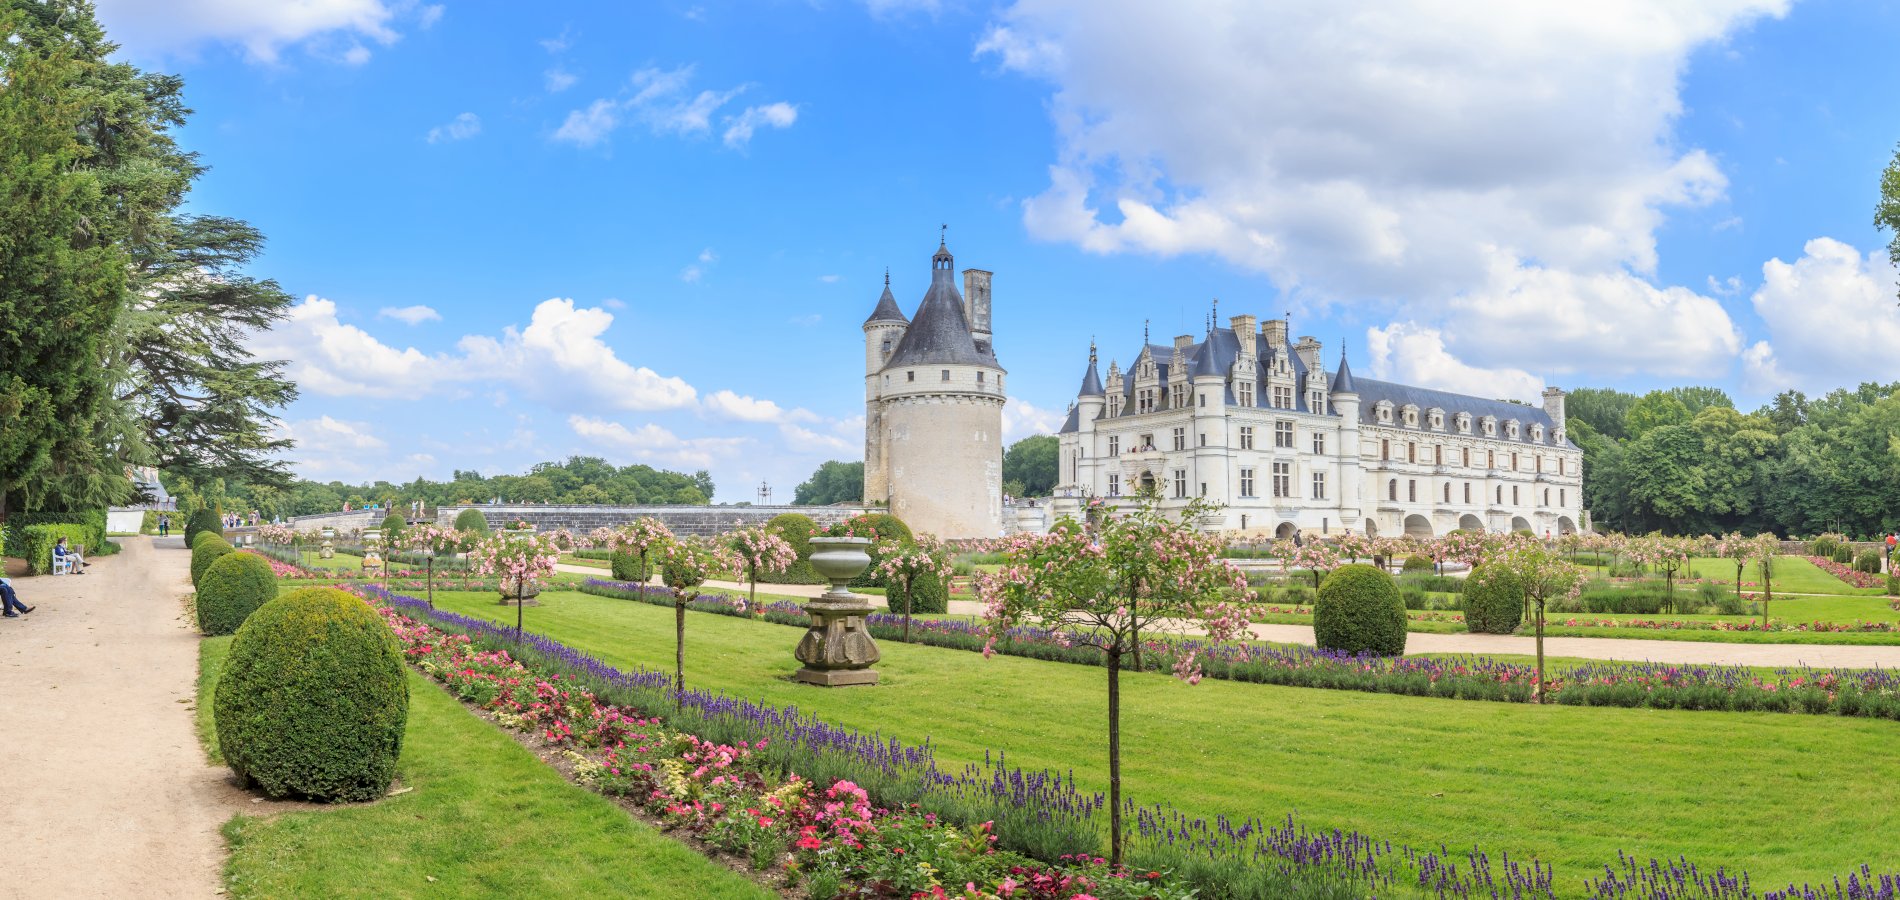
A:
{"x": 752, "y": 598}
{"x": 1134, "y": 634}
{"x": 908, "y": 581}
{"x": 679, "y": 647}
{"x": 432, "y": 582}
{"x": 1115, "y": 756}
{"x": 1540, "y": 651}
{"x": 520, "y": 585}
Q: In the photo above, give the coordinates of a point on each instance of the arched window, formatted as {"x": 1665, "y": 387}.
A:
{"x": 1447, "y": 492}
{"x": 1392, "y": 489}
{"x": 1546, "y": 496}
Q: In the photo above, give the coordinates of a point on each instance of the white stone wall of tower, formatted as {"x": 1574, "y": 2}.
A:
{"x": 945, "y": 456}
{"x": 879, "y": 339}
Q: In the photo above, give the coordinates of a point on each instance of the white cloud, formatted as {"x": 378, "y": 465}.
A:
{"x": 806, "y": 321}
{"x": 262, "y": 29}
{"x": 1383, "y": 150}
{"x": 775, "y": 115}
{"x": 326, "y": 356}
{"x": 1413, "y": 354}
{"x": 329, "y": 448}
{"x": 558, "y": 79}
{"x": 691, "y": 274}
{"x": 413, "y": 315}
{"x": 652, "y": 443}
{"x": 560, "y": 352}
{"x": 829, "y": 279}
{"x": 663, "y": 101}
{"x": 888, "y": 8}
{"x": 460, "y": 128}
{"x": 1830, "y": 319}
{"x": 745, "y": 409}
{"x": 1023, "y": 419}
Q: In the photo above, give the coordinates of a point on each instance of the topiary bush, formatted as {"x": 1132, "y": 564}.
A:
{"x": 928, "y": 594}
{"x": 471, "y": 521}
{"x": 627, "y": 566}
{"x": 393, "y": 524}
{"x": 313, "y": 699}
{"x": 1867, "y": 561}
{"x": 796, "y": 529}
{"x": 202, "y": 521}
{"x": 233, "y": 587}
{"x": 1893, "y": 585}
{"x": 1417, "y": 563}
{"x": 204, "y": 551}
{"x": 1844, "y": 555}
{"x": 1822, "y": 546}
{"x": 1359, "y": 611}
{"x": 1494, "y": 602}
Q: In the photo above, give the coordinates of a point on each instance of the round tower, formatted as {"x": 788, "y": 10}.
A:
{"x": 939, "y": 398}
{"x": 883, "y": 331}
{"x": 1345, "y": 403}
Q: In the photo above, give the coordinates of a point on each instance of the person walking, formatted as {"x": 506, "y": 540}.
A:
{"x": 10, "y": 601}
{"x": 164, "y": 525}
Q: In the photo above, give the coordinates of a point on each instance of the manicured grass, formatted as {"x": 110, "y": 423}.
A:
{"x": 211, "y": 652}
{"x": 572, "y": 560}
{"x": 483, "y": 818}
{"x": 1781, "y": 796}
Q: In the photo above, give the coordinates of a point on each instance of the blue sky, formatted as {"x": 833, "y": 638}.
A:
{"x": 650, "y": 231}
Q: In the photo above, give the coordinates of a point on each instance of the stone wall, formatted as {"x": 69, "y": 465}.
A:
{"x": 683, "y": 520}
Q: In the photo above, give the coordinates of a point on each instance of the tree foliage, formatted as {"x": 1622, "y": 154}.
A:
{"x": 580, "y": 479}
{"x": 1887, "y": 209}
{"x": 834, "y": 482}
{"x": 1033, "y": 463}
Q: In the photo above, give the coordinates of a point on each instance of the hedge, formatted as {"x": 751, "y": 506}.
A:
{"x": 204, "y": 551}
{"x": 1417, "y": 563}
{"x": 36, "y": 544}
{"x": 628, "y": 566}
{"x": 233, "y": 587}
{"x": 313, "y": 698}
{"x": 1867, "y": 561}
{"x": 92, "y": 536}
{"x": 928, "y": 594}
{"x": 202, "y": 521}
{"x": 1359, "y": 611}
{"x": 796, "y": 529}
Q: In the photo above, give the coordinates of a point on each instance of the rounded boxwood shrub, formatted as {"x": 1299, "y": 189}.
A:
{"x": 204, "y": 551}
{"x": 886, "y": 526}
{"x": 928, "y": 594}
{"x": 1843, "y": 555}
{"x": 233, "y": 587}
{"x": 202, "y": 521}
{"x": 1494, "y": 602}
{"x": 1822, "y": 547}
{"x": 1359, "y": 611}
{"x": 393, "y": 524}
{"x": 796, "y": 529}
{"x": 313, "y": 698}
{"x": 1867, "y": 561}
{"x": 627, "y": 566}
{"x": 471, "y": 521}
{"x": 1417, "y": 563}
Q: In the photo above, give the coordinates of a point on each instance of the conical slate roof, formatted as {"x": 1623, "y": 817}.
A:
{"x": 1091, "y": 382}
{"x": 1342, "y": 380}
{"x": 1204, "y": 361}
{"x": 887, "y": 310}
{"x": 940, "y": 334}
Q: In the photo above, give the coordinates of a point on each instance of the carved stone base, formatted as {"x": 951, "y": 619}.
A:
{"x": 837, "y": 677}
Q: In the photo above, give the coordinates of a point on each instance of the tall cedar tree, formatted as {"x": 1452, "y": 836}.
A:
{"x": 61, "y": 277}
{"x": 188, "y": 395}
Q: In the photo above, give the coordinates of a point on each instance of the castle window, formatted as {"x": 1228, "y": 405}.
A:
{"x": 1392, "y": 489}
{"x": 1244, "y": 392}
{"x": 1246, "y": 482}
{"x": 1438, "y": 420}
{"x": 1246, "y": 437}
{"x": 1537, "y": 433}
{"x": 1560, "y": 498}
{"x": 1114, "y": 445}
{"x": 1467, "y": 452}
{"x": 1282, "y": 397}
{"x": 1319, "y": 442}
{"x": 1490, "y": 427}
{"x": 887, "y": 381}
{"x": 1540, "y": 463}
{"x": 1283, "y": 434}
{"x": 1114, "y": 484}
{"x": 979, "y": 378}
{"x": 1490, "y": 459}
{"x": 1513, "y": 462}
{"x": 1514, "y": 495}
{"x": 1411, "y": 490}
{"x": 1180, "y": 439}
{"x": 1385, "y": 449}
{"x": 1319, "y": 486}
{"x": 1180, "y": 484}
{"x": 1546, "y": 496}
{"x": 946, "y": 374}
{"x": 1511, "y": 429}
{"x": 1411, "y": 452}
{"x": 1147, "y": 442}
{"x": 1385, "y": 413}
{"x": 1464, "y": 423}
{"x": 1203, "y": 438}
{"x": 1447, "y": 492}
{"x": 913, "y": 376}
{"x": 1411, "y": 416}
{"x": 1315, "y": 403}
{"x": 1283, "y": 479}
{"x": 1203, "y": 398}
{"x": 1467, "y": 492}
{"x": 1500, "y": 495}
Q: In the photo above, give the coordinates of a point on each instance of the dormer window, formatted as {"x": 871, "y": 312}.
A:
{"x": 1512, "y": 429}
{"x": 1384, "y": 411}
{"x": 1411, "y": 416}
{"x": 1537, "y": 433}
{"x": 1490, "y": 424}
{"x": 1437, "y": 418}
{"x": 1464, "y": 423}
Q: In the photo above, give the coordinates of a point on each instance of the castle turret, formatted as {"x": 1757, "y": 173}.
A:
{"x": 1345, "y": 403}
{"x": 939, "y": 413}
{"x": 1090, "y": 400}
{"x": 883, "y": 330}
{"x": 1209, "y": 433}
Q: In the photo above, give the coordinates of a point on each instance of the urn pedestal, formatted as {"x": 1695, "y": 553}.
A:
{"x": 327, "y": 550}
{"x": 837, "y": 649}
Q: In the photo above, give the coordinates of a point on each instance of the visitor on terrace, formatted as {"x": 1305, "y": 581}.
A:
{"x": 60, "y": 550}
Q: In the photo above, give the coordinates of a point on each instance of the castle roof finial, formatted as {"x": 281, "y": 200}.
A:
{"x": 943, "y": 235}
{"x": 887, "y": 276}
{"x": 1091, "y": 350}
{"x": 1144, "y": 332}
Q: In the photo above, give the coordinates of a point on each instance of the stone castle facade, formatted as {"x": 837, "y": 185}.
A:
{"x": 933, "y": 407}
{"x": 1249, "y": 419}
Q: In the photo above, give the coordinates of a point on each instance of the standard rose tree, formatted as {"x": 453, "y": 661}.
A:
{"x": 521, "y": 561}
{"x": 902, "y": 564}
{"x": 431, "y": 541}
{"x": 638, "y": 541}
{"x": 685, "y": 565}
{"x": 1100, "y": 589}
{"x": 1543, "y": 576}
{"x": 760, "y": 549}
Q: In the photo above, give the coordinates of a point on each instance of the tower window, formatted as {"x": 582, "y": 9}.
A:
{"x": 946, "y": 374}
{"x": 1114, "y": 445}
{"x": 912, "y": 376}
{"x": 979, "y": 378}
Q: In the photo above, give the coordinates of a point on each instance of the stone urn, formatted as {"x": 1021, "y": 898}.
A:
{"x": 508, "y": 593}
{"x": 372, "y": 559}
{"x": 327, "y": 550}
{"x": 837, "y": 649}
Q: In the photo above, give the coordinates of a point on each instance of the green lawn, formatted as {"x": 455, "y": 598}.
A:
{"x": 1781, "y": 796}
{"x": 482, "y": 818}
{"x": 572, "y": 560}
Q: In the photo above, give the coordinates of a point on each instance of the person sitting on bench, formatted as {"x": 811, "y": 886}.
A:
{"x": 10, "y": 601}
{"x": 78, "y": 562}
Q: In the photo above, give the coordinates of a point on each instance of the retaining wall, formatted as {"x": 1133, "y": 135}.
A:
{"x": 683, "y": 520}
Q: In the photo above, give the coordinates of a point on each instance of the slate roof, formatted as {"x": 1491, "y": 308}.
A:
{"x": 1091, "y": 382}
{"x": 1226, "y": 349}
{"x": 940, "y": 334}
{"x": 887, "y": 310}
{"x": 1073, "y": 423}
{"x": 1342, "y": 379}
{"x": 1400, "y": 395}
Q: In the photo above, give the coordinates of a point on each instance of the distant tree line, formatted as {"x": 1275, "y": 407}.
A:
{"x": 1685, "y": 461}
{"x": 581, "y": 479}
{"x": 1029, "y": 470}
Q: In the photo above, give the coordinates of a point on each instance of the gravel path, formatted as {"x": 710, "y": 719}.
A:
{"x": 108, "y": 793}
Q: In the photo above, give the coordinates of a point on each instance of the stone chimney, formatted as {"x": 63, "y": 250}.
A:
{"x": 1273, "y": 334}
{"x": 1243, "y": 329}
{"x": 1554, "y": 407}
{"x": 1308, "y": 349}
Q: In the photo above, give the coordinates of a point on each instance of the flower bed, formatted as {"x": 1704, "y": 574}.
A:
{"x": 747, "y": 778}
{"x": 1748, "y": 625}
{"x": 1855, "y": 692}
{"x": 1848, "y": 574}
